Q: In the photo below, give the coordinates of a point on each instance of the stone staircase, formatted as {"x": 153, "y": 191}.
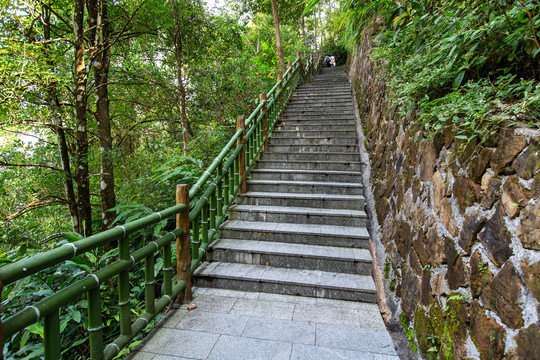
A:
{"x": 300, "y": 228}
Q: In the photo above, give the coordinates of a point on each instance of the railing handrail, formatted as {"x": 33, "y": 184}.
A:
{"x": 29, "y": 266}
{"x": 227, "y": 178}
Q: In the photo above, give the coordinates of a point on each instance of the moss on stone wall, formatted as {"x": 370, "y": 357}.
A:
{"x": 457, "y": 220}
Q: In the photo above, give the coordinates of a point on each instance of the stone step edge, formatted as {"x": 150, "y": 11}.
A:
{"x": 360, "y": 233}
{"x": 293, "y": 171}
{"x": 311, "y": 131}
{"x": 201, "y": 268}
{"x": 346, "y": 162}
{"x": 325, "y": 135}
{"x": 289, "y": 250}
{"x": 317, "y": 153}
{"x": 332, "y": 197}
{"x": 297, "y": 210}
{"x": 302, "y": 183}
{"x": 325, "y": 145}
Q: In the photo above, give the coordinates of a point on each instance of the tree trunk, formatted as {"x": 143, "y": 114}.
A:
{"x": 316, "y": 23}
{"x": 186, "y": 127}
{"x": 54, "y": 104}
{"x": 81, "y": 136}
{"x": 278, "y": 37}
{"x": 102, "y": 61}
{"x": 258, "y": 34}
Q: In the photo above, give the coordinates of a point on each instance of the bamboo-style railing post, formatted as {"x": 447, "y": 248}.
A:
{"x": 195, "y": 241}
{"x": 124, "y": 296}
{"x": 149, "y": 284}
{"x": 280, "y": 89}
{"x": 219, "y": 191}
{"x": 291, "y": 82}
{"x": 301, "y": 75}
{"x": 167, "y": 270}
{"x": 95, "y": 325}
{"x": 183, "y": 255}
{"x": 51, "y": 328}
{"x": 264, "y": 113}
{"x": 241, "y": 124}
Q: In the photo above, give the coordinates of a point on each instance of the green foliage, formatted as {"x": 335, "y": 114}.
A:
{"x": 409, "y": 332}
{"x": 226, "y": 62}
{"x": 331, "y": 47}
{"x": 393, "y": 285}
{"x": 469, "y": 65}
{"x": 387, "y": 267}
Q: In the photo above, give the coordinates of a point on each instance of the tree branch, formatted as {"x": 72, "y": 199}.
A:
{"x": 45, "y": 166}
{"x": 52, "y": 237}
{"x": 36, "y": 204}
{"x": 532, "y": 24}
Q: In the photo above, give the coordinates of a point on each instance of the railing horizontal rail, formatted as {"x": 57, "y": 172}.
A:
{"x": 215, "y": 192}
{"x": 16, "y": 271}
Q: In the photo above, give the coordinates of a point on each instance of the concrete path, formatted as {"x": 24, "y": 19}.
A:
{"x": 232, "y": 325}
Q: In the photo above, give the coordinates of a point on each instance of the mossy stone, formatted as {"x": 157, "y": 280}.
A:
{"x": 429, "y": 328}
{"x": 455, "y": 329}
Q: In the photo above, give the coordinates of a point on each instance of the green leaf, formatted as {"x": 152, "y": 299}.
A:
{"x": 73, "y": 236}
{"x": 457, "y": 81}
{"x": 24, "y": 339}
{"x": 75, "y": 314}
{"x": 36, "y": 328}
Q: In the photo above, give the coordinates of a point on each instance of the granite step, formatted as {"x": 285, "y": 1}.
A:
{"x": 298, "y": 215}
{"x": 326, "y": 165}
{"x": 327, "y": 235}
{"x": 307, "y": 131}
{"x": 312, "y": 117}
{"x": 314, "y": 156}
{"x": 303, "y": 127}
{"x": 296, "y": 106}
{"x": 270, "y": 279}
{"x": 324, "y": 91}
{"x": 315, "y": 187}
{"x": 307, "y": 100}
{"x": 313, "y": 148}
{"x": 294, "y": 256}
{"x": 305, "y": 175}
{"x": 316, "y": 201}
{"x": 315, "y": 112}
{"x": 342, "y": 98}
{"x": 326, "y": 140}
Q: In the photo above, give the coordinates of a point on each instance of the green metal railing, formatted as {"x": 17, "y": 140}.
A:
{"x": 195, "y": 230}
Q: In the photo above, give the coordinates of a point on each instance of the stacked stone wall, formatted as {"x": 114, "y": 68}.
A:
{"x": 459, "y": 224}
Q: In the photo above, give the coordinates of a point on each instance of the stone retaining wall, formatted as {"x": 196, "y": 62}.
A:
{"x": 460, "y": 228}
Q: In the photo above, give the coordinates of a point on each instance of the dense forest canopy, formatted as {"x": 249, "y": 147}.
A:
{"x": 87, "y": 100}
{"x": 106, "y": 106}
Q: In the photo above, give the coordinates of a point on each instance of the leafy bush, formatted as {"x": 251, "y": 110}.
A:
{"x": 331, "y": 47}
{"x": 472, "y": 65}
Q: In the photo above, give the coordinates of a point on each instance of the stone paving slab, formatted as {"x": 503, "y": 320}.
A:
{"x": 234, "y": 325}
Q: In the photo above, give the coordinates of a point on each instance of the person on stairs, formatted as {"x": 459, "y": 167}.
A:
{"x": 327, "y": 60}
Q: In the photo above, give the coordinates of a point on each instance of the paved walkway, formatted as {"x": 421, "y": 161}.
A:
{"x": 234, "y": 325}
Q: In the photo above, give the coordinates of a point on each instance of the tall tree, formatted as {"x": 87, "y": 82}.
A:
{"x": 278, "y": 36}
{"x": 100, "y": 34}
{"x": 82, "y": 173}
{"x": 179, "y": 34}
{"x": 188, "y": 34}
{"x": 58, "y": 128}
{"x": 282, "y": 11}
